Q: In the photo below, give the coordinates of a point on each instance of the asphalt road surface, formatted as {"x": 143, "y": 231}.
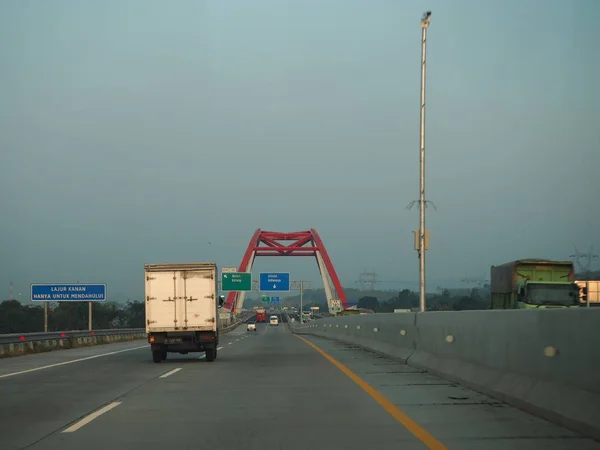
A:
{"x": 267, "y": 390}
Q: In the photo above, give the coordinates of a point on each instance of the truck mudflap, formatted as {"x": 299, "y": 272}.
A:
{"x": 183, "y": 343}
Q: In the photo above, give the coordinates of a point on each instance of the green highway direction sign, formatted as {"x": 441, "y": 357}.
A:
{"x": 236, "y": 281}
{"x": 265, "y": 299}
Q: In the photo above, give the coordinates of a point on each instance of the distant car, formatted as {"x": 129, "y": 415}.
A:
{"x": 251, "y": 326}
{"x": 274, "y": 320}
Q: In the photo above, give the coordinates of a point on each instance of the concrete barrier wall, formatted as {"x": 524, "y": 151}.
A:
{"x": 231, "y": 326}
{"x": 24, "y": 348}
{"x": 47, "y": 345}
{"x": 546, "y": 362}
{"x": 228, "y": 322}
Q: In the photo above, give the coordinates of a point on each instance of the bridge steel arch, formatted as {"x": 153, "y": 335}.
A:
{"x": 298, "y": 243}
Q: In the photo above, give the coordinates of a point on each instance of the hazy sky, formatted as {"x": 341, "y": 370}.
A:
{"x": 134, "y": 132}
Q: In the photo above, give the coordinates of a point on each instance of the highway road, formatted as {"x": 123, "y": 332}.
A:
{"x": 267, "y": 390}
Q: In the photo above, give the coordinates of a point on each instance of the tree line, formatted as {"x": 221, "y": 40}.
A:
{"x": 405, "y": 299}
{"x": 16, "y": 317}
{"x": 445, "y": 301}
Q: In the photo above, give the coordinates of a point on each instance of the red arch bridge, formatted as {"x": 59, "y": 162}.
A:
{"x": 298, "y": 243}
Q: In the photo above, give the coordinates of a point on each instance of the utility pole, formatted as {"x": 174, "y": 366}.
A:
{"x": 301, "y": 300}
{"x": 299, "y": 285}
{"x": 424, "y": 25}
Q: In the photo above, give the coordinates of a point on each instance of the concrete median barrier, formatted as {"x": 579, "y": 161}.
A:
{"x": 230, "y": 324}
{"x": 46, "y": 345}
{"x": 545, "y": 362}
{"x": 25, "y": 344}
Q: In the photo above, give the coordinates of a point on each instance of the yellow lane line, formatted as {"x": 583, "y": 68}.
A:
{"x": 412, "y": 426}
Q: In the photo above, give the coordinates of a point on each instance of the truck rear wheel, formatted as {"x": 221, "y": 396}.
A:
{"x": 211, "y": 354}
{"x": 157, "y": 356}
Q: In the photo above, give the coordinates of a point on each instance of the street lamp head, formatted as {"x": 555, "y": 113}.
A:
{"x": 425, "y": 21}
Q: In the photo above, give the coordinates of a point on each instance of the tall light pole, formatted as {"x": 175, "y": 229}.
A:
{"x": 424, "y": 25}
{"x": 301, "y": 301}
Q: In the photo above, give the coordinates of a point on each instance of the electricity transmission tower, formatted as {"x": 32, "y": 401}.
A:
{"x": 584, "y": 260}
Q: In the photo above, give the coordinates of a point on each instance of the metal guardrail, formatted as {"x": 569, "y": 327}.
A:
{"x": 16, "y": 338}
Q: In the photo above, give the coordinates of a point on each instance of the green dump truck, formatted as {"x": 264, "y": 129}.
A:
{"x": 534, "y": 283}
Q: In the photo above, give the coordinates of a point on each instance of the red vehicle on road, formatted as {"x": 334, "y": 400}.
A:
{"x": 261, "y": 315}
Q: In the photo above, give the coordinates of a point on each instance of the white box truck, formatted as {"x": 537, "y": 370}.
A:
{"x": 589, "y": 293}
{"x": 182, "y": 309}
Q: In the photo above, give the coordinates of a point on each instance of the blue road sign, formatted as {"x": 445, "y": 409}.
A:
{"x": 274, "y": 282}
{"x": 68, "y": 292}
{"x": 274, "y": 299}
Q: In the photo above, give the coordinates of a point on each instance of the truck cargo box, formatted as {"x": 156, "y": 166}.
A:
{"x": 533, "y": 283}
{"x": 505, "y": 278}
{"x": 182, "y": 308}
{"x": 181, "y": 297}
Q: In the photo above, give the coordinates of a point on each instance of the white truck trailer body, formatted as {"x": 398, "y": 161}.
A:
{"x": 182, "y": 309}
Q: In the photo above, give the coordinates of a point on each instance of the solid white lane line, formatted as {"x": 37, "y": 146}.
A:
{"x": 168, "y": 374}
{"x": 87, "y": 419}
{"x": 71, "y": 362}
